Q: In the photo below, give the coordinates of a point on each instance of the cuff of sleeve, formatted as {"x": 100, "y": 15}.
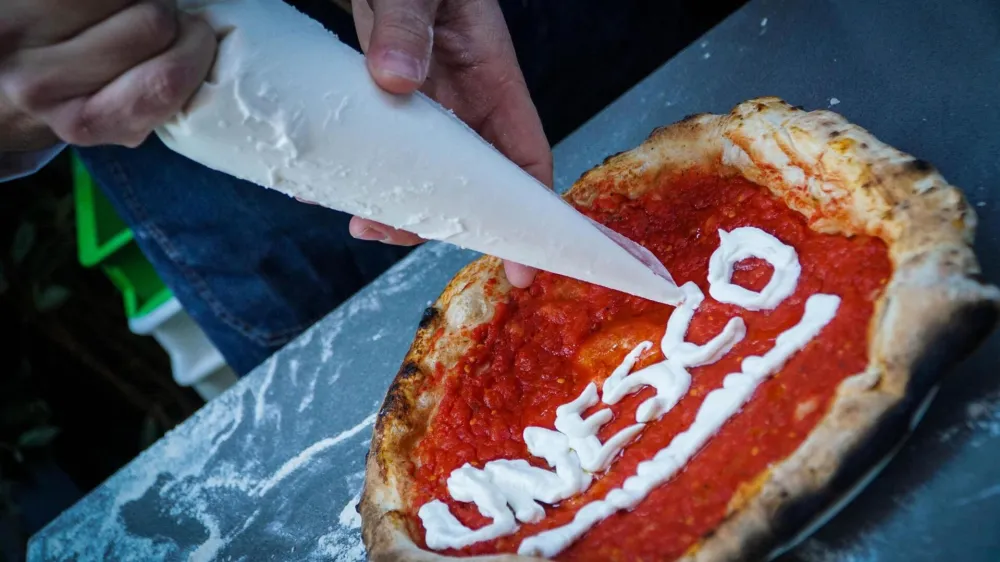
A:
{"x": 14, "y": 165}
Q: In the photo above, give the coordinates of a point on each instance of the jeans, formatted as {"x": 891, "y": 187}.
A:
{"x": 253, "y": 267}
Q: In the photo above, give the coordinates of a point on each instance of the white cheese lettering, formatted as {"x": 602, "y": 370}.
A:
{"x": 718, "y": 406}
{"x": 750, "y": 242}
{"x": 508, "y": 491}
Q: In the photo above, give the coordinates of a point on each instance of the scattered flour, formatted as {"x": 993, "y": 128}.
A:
{"x": 983, "y": 495}
{"x": 366, "y": 301}
{"x": 211, "y": 547}
{"x": 983, "y": 417}
{"x": 216, "y": 466}
{"x": 310, "y": 393}
{"x": 335, "y": 325}
{"x": 178, "y": 457}
{"x": 349, "y": 516}
{"x": 340, "y": 545}
{"x": 813, "y": 550}
{"x": 304, "y": 340}
{"x": 945, "y": 435}
{"x": 260, "y": 409}
{"x": 304, "y": 457}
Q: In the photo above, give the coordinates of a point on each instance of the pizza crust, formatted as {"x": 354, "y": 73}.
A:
{"x": 934, "y": 311}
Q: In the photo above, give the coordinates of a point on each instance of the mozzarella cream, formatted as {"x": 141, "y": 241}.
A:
{"x": 573, "y": 449}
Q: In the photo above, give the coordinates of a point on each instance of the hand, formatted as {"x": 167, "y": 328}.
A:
{"x": 458, "y": 52}
{"x": 91, "y": 72}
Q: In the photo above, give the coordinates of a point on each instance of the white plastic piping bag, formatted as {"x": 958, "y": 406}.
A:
{"x": 289, "y": 107}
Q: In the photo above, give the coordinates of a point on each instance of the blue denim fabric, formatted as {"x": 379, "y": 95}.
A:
{"x": 252, "y": 266}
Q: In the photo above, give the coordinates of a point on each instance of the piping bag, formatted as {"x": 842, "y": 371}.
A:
{"x": 289, "y": 107}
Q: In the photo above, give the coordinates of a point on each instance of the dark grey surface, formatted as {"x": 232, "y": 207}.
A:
{"x": 270, "y": 469}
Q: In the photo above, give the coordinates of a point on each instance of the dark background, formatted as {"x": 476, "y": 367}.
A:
{"x": 80, "y": 395}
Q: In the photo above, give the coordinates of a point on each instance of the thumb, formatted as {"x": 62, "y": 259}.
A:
{"x": 399, "y": 52}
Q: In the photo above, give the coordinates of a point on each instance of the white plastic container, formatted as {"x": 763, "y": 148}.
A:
{"x": 195, "y": 362}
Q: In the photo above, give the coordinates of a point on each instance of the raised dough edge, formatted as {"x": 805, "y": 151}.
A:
{"x": 814, "y": 161}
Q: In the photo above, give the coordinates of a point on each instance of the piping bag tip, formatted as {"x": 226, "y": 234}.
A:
{"x": 668, "y": 292}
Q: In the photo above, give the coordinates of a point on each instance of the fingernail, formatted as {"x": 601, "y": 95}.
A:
{"x": 372, "y": 234}
{"x": 402, "y": 65}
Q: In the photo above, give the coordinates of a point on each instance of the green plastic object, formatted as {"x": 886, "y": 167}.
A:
{"x": 104, "y": 240}
{"x": 100, "y": 232}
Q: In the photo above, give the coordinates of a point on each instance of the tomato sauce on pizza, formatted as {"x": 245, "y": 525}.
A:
{"x": 545, "y": 344}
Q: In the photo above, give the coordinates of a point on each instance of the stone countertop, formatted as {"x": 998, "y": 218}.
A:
{"x": 272, "y": 469}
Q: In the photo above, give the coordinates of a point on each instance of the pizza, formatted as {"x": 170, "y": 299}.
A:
{"x": 828, "y": 282}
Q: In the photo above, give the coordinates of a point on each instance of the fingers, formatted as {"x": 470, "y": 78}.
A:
{"x": 513, "y": 126}
{"x": 399, "y": 49}
{"x": 148, "y": 95}
{"x": 45, "y": 22}
{"x": 476, "y": 74}
{"x": 519, "y": 275}
{"x": 364, "y": 229}
{"x": 512, "y": 123}
{"x": 40, "y": 77}
{"x": 127, "y": 109}
{"x": 364, "y": 19}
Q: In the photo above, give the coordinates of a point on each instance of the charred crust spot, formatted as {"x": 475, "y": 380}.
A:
{"x": 761, "y": 107}
{"x": 430, "y": 313}
{"x": 799, "y": 107}
{"x": 864, "y": 146}
{"x": 834, "y": 134}
{"x": 711, "y": 533}
{"x": 920, "y": 165}
{"x": 692, "y": 117}
{"x": 617, "y": 154}
{"x": 395, "y": 405}
{"x": 409, "y": 369}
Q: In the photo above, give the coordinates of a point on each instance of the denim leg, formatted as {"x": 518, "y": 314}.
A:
{"x": 252, "y": 266}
